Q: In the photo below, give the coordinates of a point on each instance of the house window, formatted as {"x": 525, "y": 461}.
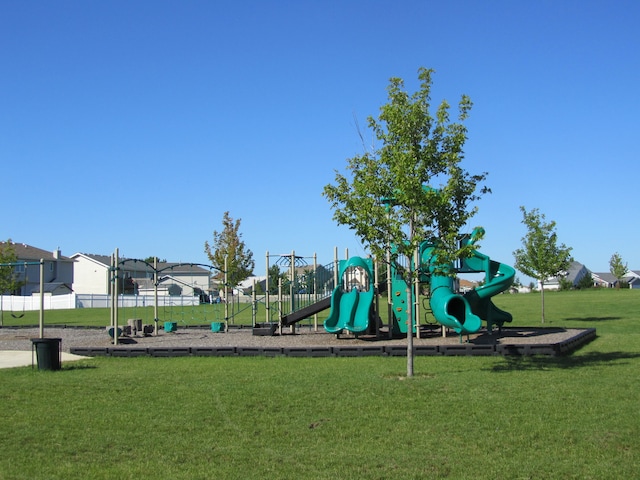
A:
{"x": 19, "y": 268}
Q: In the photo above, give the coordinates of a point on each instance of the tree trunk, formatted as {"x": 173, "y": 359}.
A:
{"x": 409, "y": 332}
{"x": 542, "y": 298}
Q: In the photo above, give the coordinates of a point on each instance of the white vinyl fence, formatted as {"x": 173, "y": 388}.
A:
{"x": 13, "y": 303}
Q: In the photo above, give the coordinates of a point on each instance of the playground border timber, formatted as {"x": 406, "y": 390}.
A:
{"x": 373, "y": 348}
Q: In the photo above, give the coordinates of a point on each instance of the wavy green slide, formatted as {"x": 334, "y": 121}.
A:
{"x": 498, "y": 278}
{"x": 350, "y": 310}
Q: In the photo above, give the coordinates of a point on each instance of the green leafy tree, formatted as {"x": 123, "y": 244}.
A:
{"x": 150, "y": 260}
{"x": 565, "y": 284}
{"x": 275, "y": 275}
{"x": 229, "y": 247}
{"x": 585, "y": 282}
{"x": 8, "y": 281}
{"x": 618, "y": 268}
{"x": 386, "y": 197}
{"x": 541, "y": 257}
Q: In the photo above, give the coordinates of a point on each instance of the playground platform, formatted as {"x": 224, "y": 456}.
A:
{"x": 510, "y": 341}
{"x": 306, "y": 342}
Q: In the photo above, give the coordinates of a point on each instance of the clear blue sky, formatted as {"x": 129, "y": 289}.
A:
{"x": 137, "y": 124}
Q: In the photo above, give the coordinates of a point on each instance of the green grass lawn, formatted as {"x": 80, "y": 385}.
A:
{"x": 293, "y": 418}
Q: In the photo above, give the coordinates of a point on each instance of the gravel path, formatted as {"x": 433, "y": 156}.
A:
{"x": 12, "y": 338}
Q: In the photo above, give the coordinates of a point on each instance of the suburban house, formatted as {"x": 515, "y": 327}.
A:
{"x": 185, "y": 279}
{"x": 577, "y": 272}
{"x": 574, "y": 274}
{"x": 92, "y": 276}
{"x": 58, "y": 270}
{"x": 607, "y": 280}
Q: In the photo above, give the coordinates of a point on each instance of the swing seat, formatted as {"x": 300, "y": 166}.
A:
{"x": 217, "y": 327}
{"x": 170, "y": 326}
{"x": 110, "y": 331}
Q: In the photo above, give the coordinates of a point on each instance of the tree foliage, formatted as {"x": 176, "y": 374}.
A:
{"x": 228, "y": 246}
{"x": 618, "y": 268}
{"x": 8, "y": 281}
{"x": 540, "y": 256}
{"x": 585, "y": 282}
{"x": 275, "y": 275}
{"x": 150, "y": 260}
{"x": 411, "y": 188}
{"x": 387, "y": 198}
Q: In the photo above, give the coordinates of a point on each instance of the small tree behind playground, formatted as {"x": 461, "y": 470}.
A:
{"x": 8, "y": 279}
{"x": 229, "y": 252}
{"x": 541, "y": 257}
{"x": 412, "y": 187}
{"x": 618, "y": 268}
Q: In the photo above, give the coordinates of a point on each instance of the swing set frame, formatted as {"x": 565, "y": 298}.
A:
{"x": 114, "y": 279}
{"x": 41, "y": 317}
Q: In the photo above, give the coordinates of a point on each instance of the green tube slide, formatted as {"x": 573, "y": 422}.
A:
{"x": 450, "y": 309}
{"x": 498, "y": 278}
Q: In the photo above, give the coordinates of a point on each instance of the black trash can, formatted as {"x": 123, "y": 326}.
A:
{"x": 48, "y": 353}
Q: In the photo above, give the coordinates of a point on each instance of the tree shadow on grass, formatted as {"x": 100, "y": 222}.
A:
{"x": 76, "y": 366}
{"x": 591, "y": 319}
{"x": 523, "y": 363}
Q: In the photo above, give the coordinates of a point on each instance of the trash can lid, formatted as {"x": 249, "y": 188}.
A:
{"x": 46, "y": 340}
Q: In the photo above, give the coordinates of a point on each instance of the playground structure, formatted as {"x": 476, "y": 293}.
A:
{"x": 354, "y": 301}
{"x": 352, "y": 290}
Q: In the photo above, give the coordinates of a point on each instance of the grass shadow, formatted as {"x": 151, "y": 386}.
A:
{"x": 490, "y": 338}
{"x": 522, "y": 363}
{"x": 76, "y": 366}
{"x": 591, "y": 319}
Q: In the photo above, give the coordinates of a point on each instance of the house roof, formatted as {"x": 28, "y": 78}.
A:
{"x": 104, "y": 260}
{"x": 574, "y": 269}
{"x": 28, "y": 253}
{"x": 53, "y": 286}
{"x": 605, "y": 277}
{"x": 134, "y": 264}
{"x": 191, "y": 268}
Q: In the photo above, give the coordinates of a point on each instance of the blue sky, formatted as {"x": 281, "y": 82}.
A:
{"x": 138, "y": 124}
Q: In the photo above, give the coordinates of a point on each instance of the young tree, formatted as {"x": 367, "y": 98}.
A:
{"x": 585, "y": 282}
{"x": 8, "y": 281}
{"x": 541, "y": 257}
{"x": 275, "y": 275}
{"x": 618, "y": 268}
{"x": 228, "y": 246}
{"x": 388, "y": 200}
{"x": 150, "y": 260}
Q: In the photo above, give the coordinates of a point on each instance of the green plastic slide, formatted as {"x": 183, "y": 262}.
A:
{"x": 350, "y": 309}
{"x": 498, "y": 278}
{"x": 450, "y": 309}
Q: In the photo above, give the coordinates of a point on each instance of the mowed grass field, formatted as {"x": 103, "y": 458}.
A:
{"x": 573, "y": 417}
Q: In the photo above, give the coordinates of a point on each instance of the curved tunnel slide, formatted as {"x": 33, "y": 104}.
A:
{"x": 464, "y": 313}
{"x": 498, "y": 278}
{"x": 451, "y": 309}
